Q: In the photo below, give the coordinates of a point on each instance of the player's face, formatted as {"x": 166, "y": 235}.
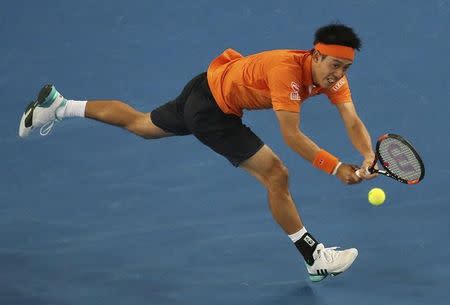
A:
{"x": 327, "y": 70}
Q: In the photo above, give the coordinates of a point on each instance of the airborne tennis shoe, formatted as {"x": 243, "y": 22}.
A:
{"x": 329, "y": 261}
{"x": 42, "y": 112}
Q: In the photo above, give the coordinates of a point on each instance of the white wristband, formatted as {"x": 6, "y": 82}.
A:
{"x": 336, "y": 168}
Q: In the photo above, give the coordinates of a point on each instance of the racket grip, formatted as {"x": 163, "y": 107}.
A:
{"x": 368, "y": 171}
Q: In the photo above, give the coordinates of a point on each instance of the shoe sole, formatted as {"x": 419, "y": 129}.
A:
{"x": 318, "y": 278}
{"x": 26, "y": 122}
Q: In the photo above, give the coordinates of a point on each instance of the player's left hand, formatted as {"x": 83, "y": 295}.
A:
{"x": 364, "y": 170}
{"x": 347, "y": 174}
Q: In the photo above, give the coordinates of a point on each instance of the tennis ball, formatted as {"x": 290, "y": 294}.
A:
{"x": 376, "y": 196}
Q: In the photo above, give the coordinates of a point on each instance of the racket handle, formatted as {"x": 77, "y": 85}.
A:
{"x": 368, "y": 171}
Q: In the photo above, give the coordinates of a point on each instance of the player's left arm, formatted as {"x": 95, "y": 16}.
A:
{"x": 358, "y": 135}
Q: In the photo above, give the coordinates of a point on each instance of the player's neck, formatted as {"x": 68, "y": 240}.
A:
{"x": 314, "y": 74}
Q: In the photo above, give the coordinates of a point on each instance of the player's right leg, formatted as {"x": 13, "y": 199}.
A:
{"x": 320, "y": 261}
{"x": 51, "y": 106}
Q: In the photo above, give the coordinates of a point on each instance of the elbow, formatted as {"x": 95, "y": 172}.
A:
{"x": 355, "y": 124}
{"x": 289, "y": 141}
{"x": 292, "y": 137}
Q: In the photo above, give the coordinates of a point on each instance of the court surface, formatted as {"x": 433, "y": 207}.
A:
{"x": 92, "y": 215}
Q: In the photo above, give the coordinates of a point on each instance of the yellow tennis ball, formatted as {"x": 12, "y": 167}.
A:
{"x": 376, "y": 196}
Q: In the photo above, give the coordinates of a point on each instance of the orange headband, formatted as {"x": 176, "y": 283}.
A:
{"x": 335, "y": 50}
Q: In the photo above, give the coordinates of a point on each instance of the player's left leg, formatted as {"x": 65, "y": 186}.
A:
{"x": 51, "y": 106}
{"x": 118, "y": 113}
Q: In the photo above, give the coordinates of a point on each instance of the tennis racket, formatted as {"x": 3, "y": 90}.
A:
{"x": 399, "y": 159}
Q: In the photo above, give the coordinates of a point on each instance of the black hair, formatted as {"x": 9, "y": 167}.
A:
{"x": 337, "y": 33}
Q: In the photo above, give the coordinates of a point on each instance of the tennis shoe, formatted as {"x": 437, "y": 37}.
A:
{"x": 42, "y": 112}
{"x": 329, "y": 261}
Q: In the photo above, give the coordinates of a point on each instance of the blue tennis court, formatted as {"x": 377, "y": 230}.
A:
{"x": 92, "y": 215}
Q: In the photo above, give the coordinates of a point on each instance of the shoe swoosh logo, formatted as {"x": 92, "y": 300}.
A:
{"x": 29, "y": 117}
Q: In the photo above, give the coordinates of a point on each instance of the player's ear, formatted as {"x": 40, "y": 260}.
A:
{"x": 316, "y": 56}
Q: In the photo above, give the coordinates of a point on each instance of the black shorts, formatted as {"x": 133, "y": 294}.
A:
{"x": 196, "y": 112}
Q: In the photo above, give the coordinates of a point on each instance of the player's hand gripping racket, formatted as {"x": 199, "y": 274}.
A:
{"x": 399, "y": 159}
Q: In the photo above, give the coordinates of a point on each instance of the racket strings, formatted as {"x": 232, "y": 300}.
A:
{"x": 400, "y": 159}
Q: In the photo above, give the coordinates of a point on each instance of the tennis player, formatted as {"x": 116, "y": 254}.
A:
{"x": 211, "y": 106}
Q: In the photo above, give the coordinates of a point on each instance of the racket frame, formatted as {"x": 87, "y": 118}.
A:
{"x": 386, "y": 171}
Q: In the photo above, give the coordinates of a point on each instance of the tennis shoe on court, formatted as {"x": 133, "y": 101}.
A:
{"x": 42, "y": 112}
{"x": 329, "y": 261}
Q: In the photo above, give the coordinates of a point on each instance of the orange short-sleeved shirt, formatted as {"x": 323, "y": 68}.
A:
{"x": 278, "y": 79}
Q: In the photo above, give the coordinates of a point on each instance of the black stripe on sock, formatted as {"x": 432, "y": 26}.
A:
{"x": 307, "y": 245}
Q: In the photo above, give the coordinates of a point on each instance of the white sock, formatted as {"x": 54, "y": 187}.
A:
{"x": 72, "y": 109}
{"x": 296, "y": 236}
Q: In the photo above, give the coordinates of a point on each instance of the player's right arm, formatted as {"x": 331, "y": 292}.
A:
{"x": 293, "y": 137}
{"x": 305, "y": 147}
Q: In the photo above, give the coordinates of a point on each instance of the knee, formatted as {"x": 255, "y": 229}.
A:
{"x": 139, "y": 124}
{"x": 143, "y": 126}
{"x": 277, "y": 176}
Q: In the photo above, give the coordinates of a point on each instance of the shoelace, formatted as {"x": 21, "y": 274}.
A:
{"x": 46, "y": 128}
{"x": 329, "y": 253}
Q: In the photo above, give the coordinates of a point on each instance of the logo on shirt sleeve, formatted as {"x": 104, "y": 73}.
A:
{"x": 295, "y": 92}
{"x": 338, "y": 85}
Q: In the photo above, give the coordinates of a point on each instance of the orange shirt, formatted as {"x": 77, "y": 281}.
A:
{"x": 278, "y": 79}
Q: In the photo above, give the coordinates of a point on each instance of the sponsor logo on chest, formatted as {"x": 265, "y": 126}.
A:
{"x": 295, "y": 92}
